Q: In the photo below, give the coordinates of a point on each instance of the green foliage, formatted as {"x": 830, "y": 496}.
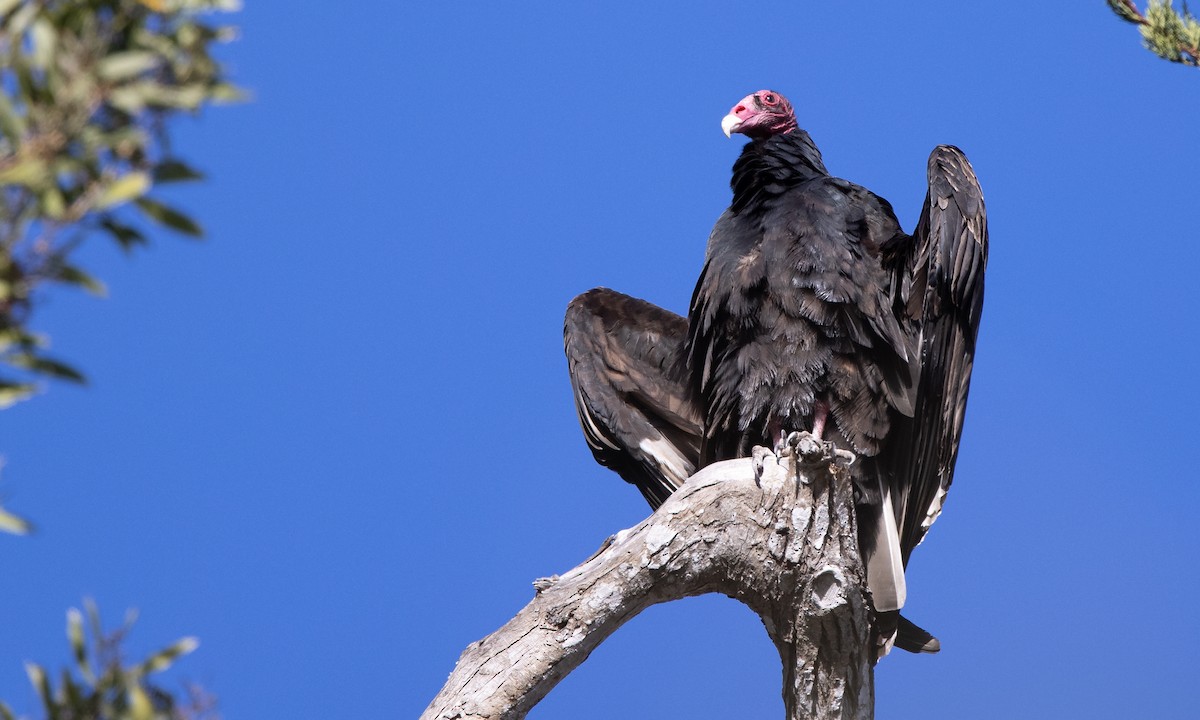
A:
{"x": 101, "y": 686}
{"x": 87, "y": 90}
{"x": 1172, "y": 35}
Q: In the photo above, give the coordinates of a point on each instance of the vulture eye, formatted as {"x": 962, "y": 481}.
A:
{"x": 770, "y": 98}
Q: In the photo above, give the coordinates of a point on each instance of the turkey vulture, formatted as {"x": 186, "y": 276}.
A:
{"x": 814, "y": 311}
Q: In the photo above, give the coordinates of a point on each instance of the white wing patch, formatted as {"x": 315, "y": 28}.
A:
{"x": 591, "y": 432}
{"x": 935, "y": 509}
{"x": 672, "y": 462}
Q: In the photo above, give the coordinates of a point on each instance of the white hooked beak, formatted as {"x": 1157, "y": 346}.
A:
{"x": 729, "y": 123}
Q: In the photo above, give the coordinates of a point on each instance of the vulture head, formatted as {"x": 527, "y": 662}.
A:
{"x": 760, "y": 115}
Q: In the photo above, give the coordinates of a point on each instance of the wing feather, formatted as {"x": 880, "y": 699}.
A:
{"x": 941, "y": 287}
{"x": 625, "y": 359}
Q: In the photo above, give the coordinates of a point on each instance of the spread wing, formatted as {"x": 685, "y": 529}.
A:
{"x": 940, "y": 284}
{"x": 625, "y": 357}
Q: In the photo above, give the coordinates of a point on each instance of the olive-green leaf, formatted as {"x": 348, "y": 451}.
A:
{"x": 53, "y": 203}
{"x": 6, "y": 713}
{"x": 74, "y": 276}
{"x": 13, "y": 393}
{"x": 169, "y": 217}
{"x": 41, "y": 683}
{"x": 130, "y": 99}
{"x": 125, "y": 188}
{"x": 125, "y": 236}
{"x": 30, "y": 172}
{"x": 125, "y": 65}
{"x": 6, "y": 5}
{"x": 227, "y": 93}
{"x": 184, "y": 97}
{"x": 11, "y": 122}
{"x": 163, "y": 659}
{"x": 14, "y": 524}
{"x": 175, "y": 171}
{"x": 45, "y": 366}
{"x": 44, "y": 37}
{"x": 73, "y": 700}
{"x": 16, "y": 24}
{"x": 16, "y": 336}
{"x": 140, "y": 707}
{"x": 78, "y": 644}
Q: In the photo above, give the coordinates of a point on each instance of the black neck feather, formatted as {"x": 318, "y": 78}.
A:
{"x": 767, "y": 168}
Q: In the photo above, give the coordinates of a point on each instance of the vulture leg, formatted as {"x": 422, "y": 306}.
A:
{"x": 820, "y": 415}
{"x": 627, "y": 370}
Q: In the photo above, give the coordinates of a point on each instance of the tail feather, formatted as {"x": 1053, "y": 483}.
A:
{"x": 885, "y": 563}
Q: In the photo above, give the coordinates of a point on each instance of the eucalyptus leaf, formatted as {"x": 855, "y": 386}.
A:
{"x": 186, "y": 97}
{"x": 125, "y": 236}
{"x": 78, "y": 644}
{"x": 169, "y": 217}
{"x": 11, "y": 123}
{"x": 13, "y": 524}
{"x": 74, "y": 276}
{"x": 45, "y": 366}
{"x": 16, "y": 337}
{"x": 44, "y": 38}
{"x": 140, "y": 707}
{"x": 130, "y": 99}
{"x": 125, "y": 65}
{"x": 125, "y": 188}
{"x": 227, "y": 93}
{"x": 41, "y": 683}
{"x": 30, "y": 172}
{"x": 53, "y": 203}
{"x": 71, "y": 695}
{"x": 164, "y": 658}
{"x": 175, "y": 171}
{"x": 17, "y": 23}
{"x": 13, "y": 393}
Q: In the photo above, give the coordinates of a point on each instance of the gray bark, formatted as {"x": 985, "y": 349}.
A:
{"x": 774, "y": 531}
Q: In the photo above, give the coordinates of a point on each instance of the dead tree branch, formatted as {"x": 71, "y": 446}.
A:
{"x": 776, "y": 532}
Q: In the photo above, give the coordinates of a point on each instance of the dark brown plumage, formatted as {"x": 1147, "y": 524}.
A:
{"x": 792, "y": 325}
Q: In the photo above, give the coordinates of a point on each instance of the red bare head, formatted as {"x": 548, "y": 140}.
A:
{"x": 760, "y": 115}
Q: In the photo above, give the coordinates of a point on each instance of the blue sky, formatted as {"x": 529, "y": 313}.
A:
{"x": 336, "y": 441}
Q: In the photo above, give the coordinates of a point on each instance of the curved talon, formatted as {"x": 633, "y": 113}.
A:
{"x": 760, "y": 455}
{"x": 788, "y": 442}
